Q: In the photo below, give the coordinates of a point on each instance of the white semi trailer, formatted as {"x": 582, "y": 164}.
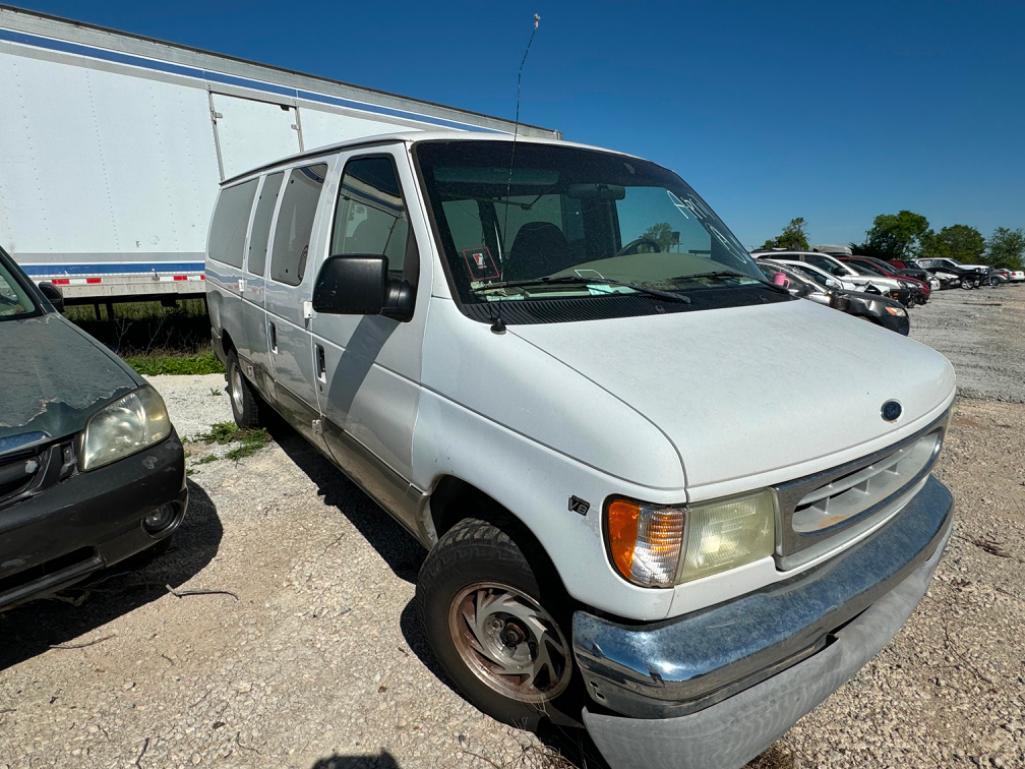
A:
{"x": 112, "y": 146}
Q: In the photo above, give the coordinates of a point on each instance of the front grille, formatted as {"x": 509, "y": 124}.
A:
{"x": 31, "y": 471}
{"x": 821, "y": 511}
{"x": 17, "y": 473}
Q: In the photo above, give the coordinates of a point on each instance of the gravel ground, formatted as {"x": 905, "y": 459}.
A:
{"x": 982, "y": 331}
{"x": 319, "y": 661}
{"x": 195, "y": 402}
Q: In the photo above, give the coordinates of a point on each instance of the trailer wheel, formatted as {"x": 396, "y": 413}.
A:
{"x": 495, "y": 626}
{"x": 245, "y": 405}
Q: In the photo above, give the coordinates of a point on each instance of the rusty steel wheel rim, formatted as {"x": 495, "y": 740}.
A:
{"x": 510, "y": 642}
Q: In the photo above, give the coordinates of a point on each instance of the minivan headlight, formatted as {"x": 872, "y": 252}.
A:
{"x": 666, "y": 545}
{"x": 124, "y": 427}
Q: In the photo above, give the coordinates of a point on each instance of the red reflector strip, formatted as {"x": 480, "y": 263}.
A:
{"x": 61, "y": 282}
{"x": 93, "y": 281}
{"x": 181, "y": 277}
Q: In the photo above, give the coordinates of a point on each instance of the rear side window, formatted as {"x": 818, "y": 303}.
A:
{"x": 370, "y": 215}
{"x": 295, "y": 223}
{"x": 231, "y": 219}
{"x": 824, "y": 263}
{"x": 261, "y": 223}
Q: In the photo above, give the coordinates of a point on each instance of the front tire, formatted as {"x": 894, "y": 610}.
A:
{"x": 494, "y": 625}
{"x": 245, "y": 405}
{"x": 966, "y": 284}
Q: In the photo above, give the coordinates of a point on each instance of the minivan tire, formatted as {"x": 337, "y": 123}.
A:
{"x": 471, "y": 562}
{"x": 245, "y": 404}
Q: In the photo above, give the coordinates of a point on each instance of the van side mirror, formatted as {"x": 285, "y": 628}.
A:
{"x": 360, "y": 285}
{"x": 53, "y": 295}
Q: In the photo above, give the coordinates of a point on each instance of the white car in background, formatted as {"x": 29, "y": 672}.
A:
{"x": 819, "y": 275}
{"x": 898, "y": 289}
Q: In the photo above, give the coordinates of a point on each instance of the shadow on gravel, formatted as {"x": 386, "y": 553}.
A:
{"x": 401, "y": 552}
{"x": 34, "y": 627}
{"x": 382, "y": 761}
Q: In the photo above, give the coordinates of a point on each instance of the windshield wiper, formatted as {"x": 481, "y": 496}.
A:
{"x": 579, "y": 281}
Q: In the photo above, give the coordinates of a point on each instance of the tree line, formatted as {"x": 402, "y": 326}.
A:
{"x": 907, "y": 235}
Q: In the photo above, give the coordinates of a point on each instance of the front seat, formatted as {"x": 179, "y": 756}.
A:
{"x": 539, "y": 249}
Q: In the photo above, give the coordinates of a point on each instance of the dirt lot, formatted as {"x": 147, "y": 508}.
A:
{"x": 319, "y": 662}
{"x": 982, "y": 332}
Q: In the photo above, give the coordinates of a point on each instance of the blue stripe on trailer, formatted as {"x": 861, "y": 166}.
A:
{"x": 79, "y": 49}
{"x": 111, "y": 268}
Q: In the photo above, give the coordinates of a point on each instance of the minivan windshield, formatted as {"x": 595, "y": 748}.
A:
{"x": 15, "y": 301}
{"x": 545, "y": 222}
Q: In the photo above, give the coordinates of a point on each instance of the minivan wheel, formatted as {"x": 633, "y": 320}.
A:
{"x": 245, "y": 406}
{"x": 494, "y": 629}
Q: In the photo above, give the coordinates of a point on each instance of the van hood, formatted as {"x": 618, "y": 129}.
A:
{"x": 749, "y": 390}
{"x": 57, "y": 377}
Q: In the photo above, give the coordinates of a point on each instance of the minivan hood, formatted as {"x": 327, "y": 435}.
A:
{"x": 749, "y": 390}
{"x": 57, "y": 377}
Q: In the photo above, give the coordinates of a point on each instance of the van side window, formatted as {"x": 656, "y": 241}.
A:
{"x": 295, "y": 223}
{"x": 230, "y": 222}
{"x": 260, "y": 235}
{"x": 370, "y": 215}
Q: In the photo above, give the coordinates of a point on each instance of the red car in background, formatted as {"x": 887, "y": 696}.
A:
{"x": 871, "y": 264}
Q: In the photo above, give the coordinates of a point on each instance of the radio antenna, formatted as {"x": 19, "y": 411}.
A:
{"x": 516, "y": 126}
{"x": 519, "y": 73}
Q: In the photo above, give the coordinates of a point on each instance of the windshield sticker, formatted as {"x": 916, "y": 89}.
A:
{"x": 480, "y": 265}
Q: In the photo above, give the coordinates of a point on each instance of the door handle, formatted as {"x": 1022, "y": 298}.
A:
{"x": 321, "y": 364}
{"x": 273, "y": 332}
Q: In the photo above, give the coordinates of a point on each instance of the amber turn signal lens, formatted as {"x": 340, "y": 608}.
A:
{"x": 645, "y": 541}
{"x": 623, "y": 517}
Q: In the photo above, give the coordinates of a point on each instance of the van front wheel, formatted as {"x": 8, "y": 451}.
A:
{"x": 484, "y": 612}
{"x": 245, "y": 406}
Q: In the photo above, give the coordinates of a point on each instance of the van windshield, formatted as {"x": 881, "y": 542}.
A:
{"x": 15, "y": 301}
{"x": 554, "y": 222}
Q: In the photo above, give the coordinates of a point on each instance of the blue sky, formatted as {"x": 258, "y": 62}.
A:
{"x": 835, "y": 112}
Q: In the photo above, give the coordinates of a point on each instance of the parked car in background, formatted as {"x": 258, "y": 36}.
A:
{"x": 920, "y": 289}
{"x": 623, "y": 526}
{"x": 819, "y": 275}
{"x": 945, "y": 278}
{"x": 1001, "y": 275}
{"x": 935, "y": 284}
{"x": 91, "y": 470}
{"x": 968, "y": 275}
{"x": 1017, "y": 276}
{"x": 863, "y": 281}
{"x": 881, "y": 310}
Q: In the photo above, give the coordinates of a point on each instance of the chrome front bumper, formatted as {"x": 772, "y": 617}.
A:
{"x": 686, "y": 665}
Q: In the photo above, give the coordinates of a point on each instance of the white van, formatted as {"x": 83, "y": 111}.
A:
{"x": 657, "y": 494}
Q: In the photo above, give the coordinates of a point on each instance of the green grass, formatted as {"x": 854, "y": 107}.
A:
{"x": 248, "y": 441}
{"x": 154, "y": 363}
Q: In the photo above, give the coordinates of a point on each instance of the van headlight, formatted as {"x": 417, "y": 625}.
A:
{"x": 124, "y": 427}
{"x": 666, "y": 545}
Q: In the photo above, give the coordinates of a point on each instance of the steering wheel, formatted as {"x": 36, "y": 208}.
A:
{"x": 633, "y": 246}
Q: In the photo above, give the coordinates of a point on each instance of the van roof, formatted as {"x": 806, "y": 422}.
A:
{"x": 409, "y": 137}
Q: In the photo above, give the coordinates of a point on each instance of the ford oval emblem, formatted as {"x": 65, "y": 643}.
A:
{"x": 891, "y": 411}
